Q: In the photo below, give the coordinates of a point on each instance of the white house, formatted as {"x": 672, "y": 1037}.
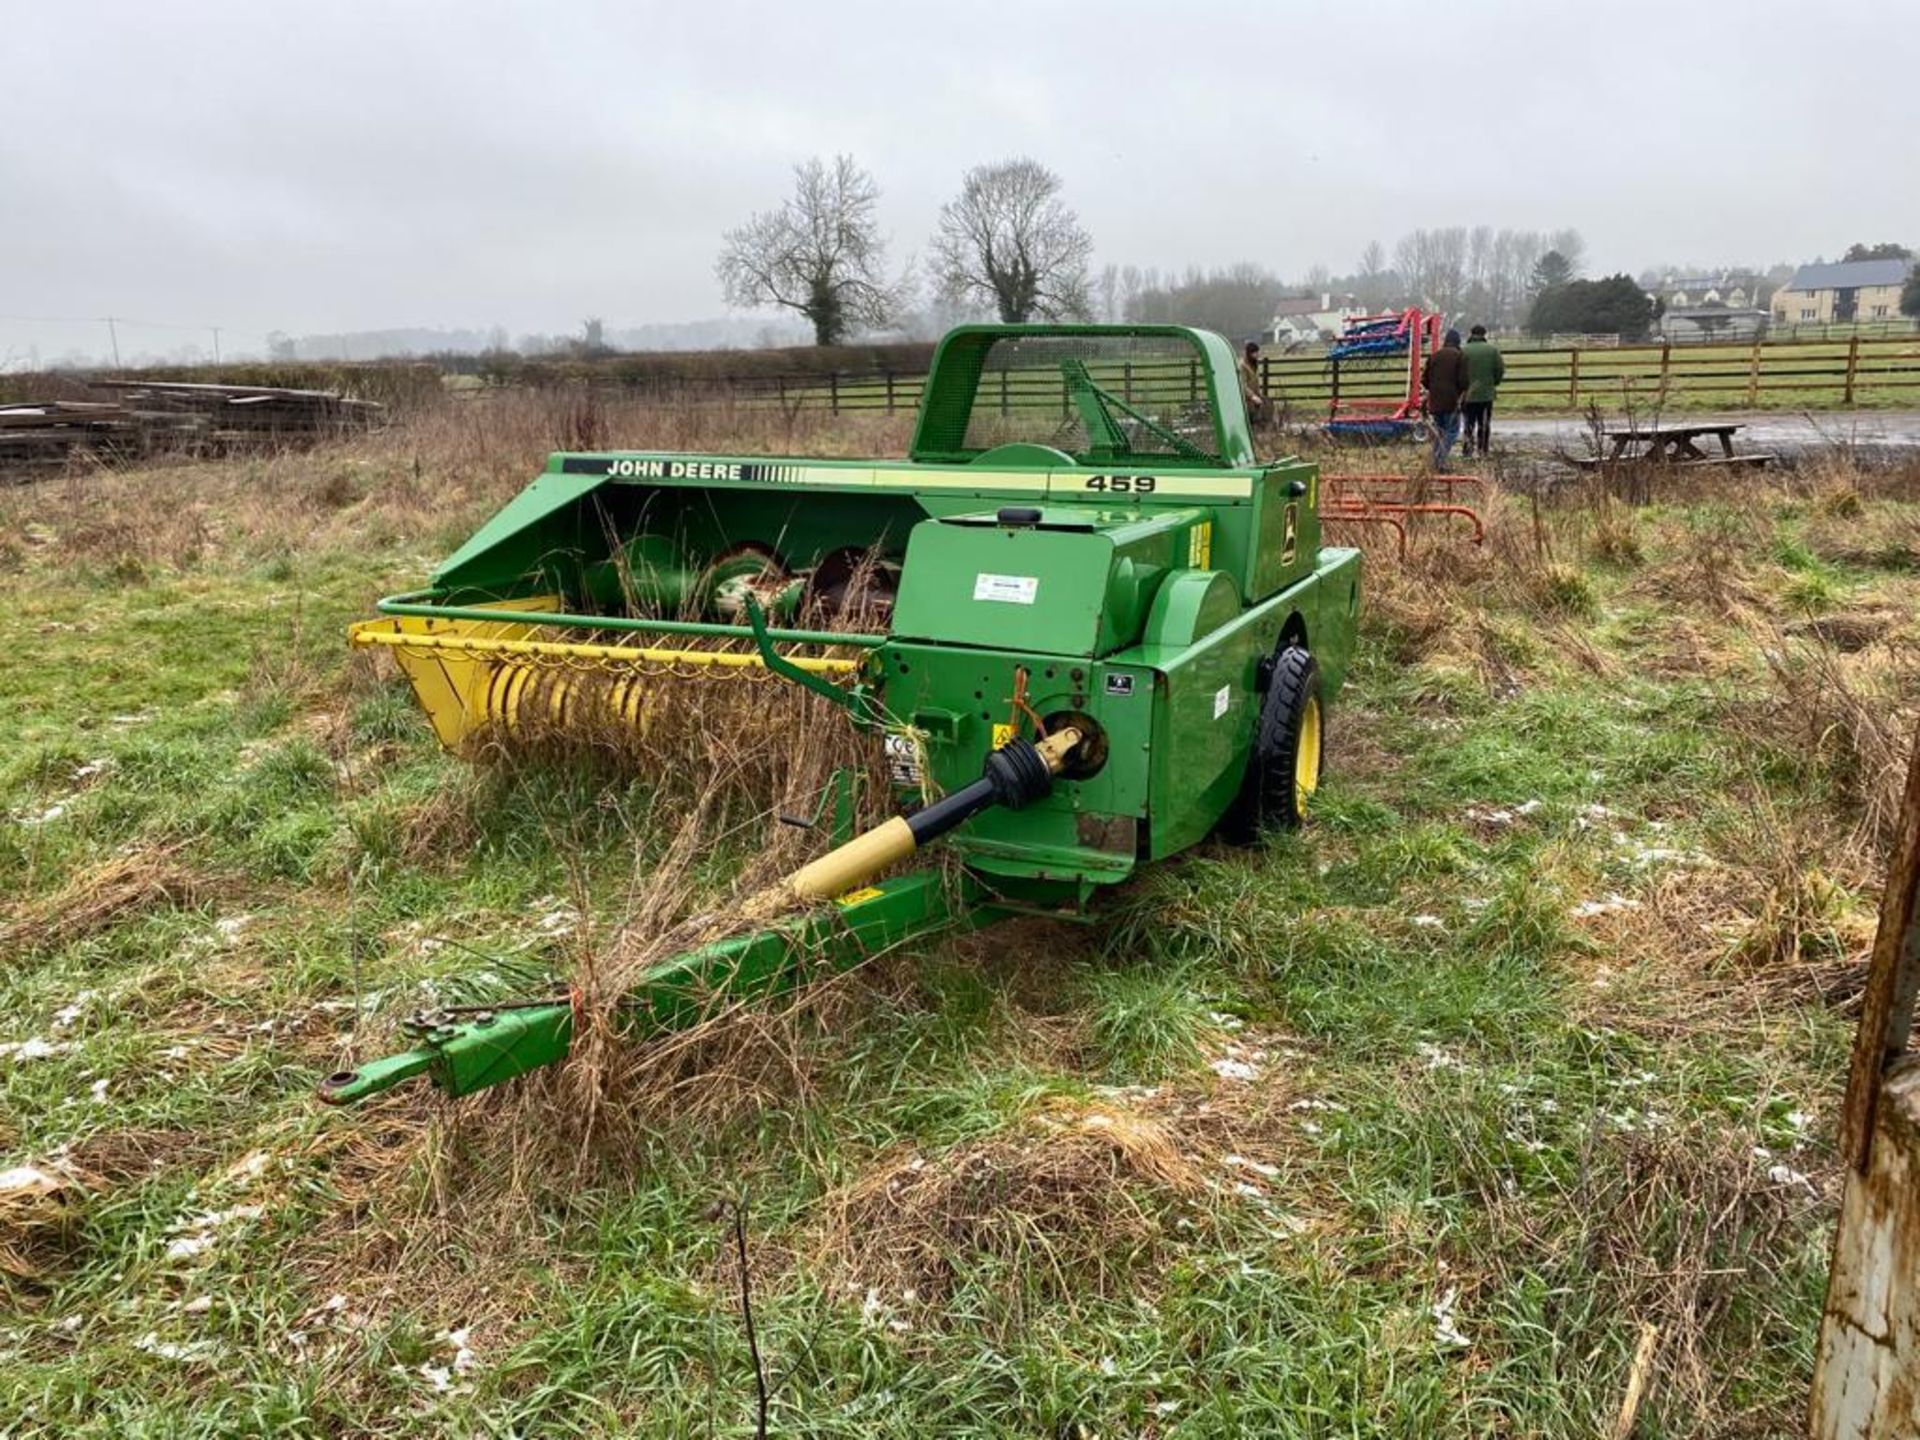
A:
{"x": 1302, "y": 318}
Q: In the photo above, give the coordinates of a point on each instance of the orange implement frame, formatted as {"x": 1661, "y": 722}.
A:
{"x": 1388, "y": 499}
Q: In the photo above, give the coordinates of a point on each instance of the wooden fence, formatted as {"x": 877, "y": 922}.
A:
{"x": 1791, "y": 374}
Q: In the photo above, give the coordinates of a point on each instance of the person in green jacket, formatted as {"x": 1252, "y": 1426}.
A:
{"x": 1486, "y": 368}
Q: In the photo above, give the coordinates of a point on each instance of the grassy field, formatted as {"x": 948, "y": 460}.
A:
{"x": 1403, "y": 1126}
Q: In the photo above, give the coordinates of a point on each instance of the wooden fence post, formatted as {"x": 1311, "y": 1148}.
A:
{"x": 889, "y": 392}
{"x": 1126, "y": 382}
{"x": 1863, "y": 1367}
{"x": 1666, "y": 368}
{"x": 1853, "y": 366}
{"x": 833, "y": 391}
{"x": 1573, "y": 378}
{"x": 1006, "y": 407}
{"x": 1753, "y": 375}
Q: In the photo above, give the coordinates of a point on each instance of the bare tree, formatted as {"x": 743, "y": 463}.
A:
{"x": 820, "y": 253}
{"x": 1372, "y": 281}
{"x": 1570, "y": 244}
{"x": 1433, "y": 267}
{"x": 1008, "y": 240}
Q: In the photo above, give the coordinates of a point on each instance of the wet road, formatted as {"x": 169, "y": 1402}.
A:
{"x": 1784, "y": 433}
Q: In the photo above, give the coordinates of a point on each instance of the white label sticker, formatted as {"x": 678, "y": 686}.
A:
{"x": 903, "y": 760}
{"x": 1012, "y": 589}
{"x": 1222, "y": 698}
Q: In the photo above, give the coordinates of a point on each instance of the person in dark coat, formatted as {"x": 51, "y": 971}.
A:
{"x": 1486, "y": 368}
{"x": 1258, "y": 407}
{"x": 1446, "y": 380}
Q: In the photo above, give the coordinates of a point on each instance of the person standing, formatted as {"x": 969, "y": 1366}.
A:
{"x": 1486, "y": 368}
{"x": 1257, "y": 406}
{"x": 1446, "y": 380}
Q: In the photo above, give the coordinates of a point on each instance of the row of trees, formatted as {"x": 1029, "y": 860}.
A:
{"x": 1488, "y": 275}
{"x": 1009, "y": 245}
{"x": 1007, "y": 242}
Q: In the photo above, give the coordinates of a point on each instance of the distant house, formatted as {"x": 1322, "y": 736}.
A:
{"x": 1712, "y": 321}
{"x": 1301, "y": 318}
{"x": 1731, "y": 288}
{"x": 1838, "y": 294}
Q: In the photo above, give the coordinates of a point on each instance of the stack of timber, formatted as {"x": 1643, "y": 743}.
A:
{"x": 152, "y": 416}
{"x": 49, "y": 431}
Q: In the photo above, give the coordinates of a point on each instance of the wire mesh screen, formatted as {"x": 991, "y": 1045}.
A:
{"x": 1099, "y": 398}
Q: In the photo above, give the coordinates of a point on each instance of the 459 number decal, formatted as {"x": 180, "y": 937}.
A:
{"x": 1123, "y": 484}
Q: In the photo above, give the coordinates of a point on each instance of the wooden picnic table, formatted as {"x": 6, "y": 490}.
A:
{"x": 1676, "y": 445}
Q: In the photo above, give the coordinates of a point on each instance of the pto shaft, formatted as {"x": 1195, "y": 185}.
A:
{"x": 1017, "y": 773}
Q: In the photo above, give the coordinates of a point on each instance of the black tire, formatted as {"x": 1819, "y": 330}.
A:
{"x": 1279, "y": 779}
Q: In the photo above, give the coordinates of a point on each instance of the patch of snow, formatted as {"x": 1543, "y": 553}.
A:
{"x": 1259, "y": 1167}
{"x": 98, "y": 1092}
{"x": 24, "y": 1180}
{"x": 1445, "y": 1330}
{"x": 1787, "y": 1175}
{"x": 42, "y": 817}
{"x": 199, "y": 1234}
{"x": 1227, "y": 1068}
{"x": 1428, "y": 922}
{"x": 34, "y": 1048}
{"x": 72, "y": 1010}
{"x": 172, "y": 1350}
{"x": 1612, "y": 904}
{"x": 1438, "y": 1057}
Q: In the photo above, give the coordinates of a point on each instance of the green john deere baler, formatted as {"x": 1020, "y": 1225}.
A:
{"x": 1093, "y": 627}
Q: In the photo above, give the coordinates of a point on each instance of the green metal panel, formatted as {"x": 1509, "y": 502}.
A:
{"x": 1079, "y": 582}
{"x": 1335, "y": 617}
{"x": 1206, "y": 702}
{"x": 956, "y": 698}
{"x": 1203, "y": 728}
{"x": 540, "y": 518}
{"x": 1286, "y": 541}
{"x": 557, "y": 535}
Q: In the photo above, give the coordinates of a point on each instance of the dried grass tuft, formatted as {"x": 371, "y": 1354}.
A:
{"x": 147, "y": 879}
{"x": 1852, "y": 715}
{"x": 39, "y": 1215}
{"x": 1070, "y": 1195}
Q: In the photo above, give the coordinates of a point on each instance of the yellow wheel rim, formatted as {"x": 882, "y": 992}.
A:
{"x": 1306, "y": 757}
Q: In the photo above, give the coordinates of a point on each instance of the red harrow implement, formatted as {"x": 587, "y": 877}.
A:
{"x": 1375, "y": 367}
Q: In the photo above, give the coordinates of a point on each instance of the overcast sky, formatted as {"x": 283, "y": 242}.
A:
{"x": 347, "y": 166}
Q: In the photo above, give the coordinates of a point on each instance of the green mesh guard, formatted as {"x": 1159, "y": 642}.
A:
{"x": 1104, "y": 398}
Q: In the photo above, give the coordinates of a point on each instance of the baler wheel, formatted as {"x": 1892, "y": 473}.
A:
{"x": 1283, "y": 766}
